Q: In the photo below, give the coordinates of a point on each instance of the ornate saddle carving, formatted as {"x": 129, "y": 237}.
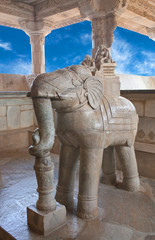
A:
{"x": 118, "y": 114}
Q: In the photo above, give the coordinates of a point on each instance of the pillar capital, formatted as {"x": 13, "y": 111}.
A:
{"x": 151, "y": 33}
{"x": 37, "y": 30}
{"x": 38, "y": 27}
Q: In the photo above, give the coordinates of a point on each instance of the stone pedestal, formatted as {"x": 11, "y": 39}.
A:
{"x": 111, "y": 82}
{"x": 44, "y": 222}
{"x": 47, "y": 215}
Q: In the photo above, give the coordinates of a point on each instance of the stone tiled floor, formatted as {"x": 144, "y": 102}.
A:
{"x": 122, "y": 215}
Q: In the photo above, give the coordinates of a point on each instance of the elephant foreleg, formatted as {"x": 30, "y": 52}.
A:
{"x": 109, "y": 166}
{"x": 90, "y": 166}
{"x": 129, "y": 166}
{"x": 67, "y": 172}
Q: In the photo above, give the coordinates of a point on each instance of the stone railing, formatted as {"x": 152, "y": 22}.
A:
{"x": 144, "y": 102}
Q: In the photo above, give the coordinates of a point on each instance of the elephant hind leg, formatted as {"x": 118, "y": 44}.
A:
{"x": 67, "y": 172}
{"x": 128, "y": 161}
{"x": 109, "y": 166}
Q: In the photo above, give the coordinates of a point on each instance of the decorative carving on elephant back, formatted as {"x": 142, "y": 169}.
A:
{"x": 87, "y": 125}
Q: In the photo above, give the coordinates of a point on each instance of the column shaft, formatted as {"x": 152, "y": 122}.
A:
{"x": 102, "y": 31}
{"x": 37, "y": 53}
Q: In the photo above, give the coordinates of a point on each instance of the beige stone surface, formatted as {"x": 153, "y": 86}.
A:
{"x": 129, "y": 82}
{"x": 2, "y": 111}
{"x": 26, "y": 119}
{"x": 26, "y": 107}
{"x": 13, "y": 117}
{"x": 150, "y": 108}
{"x": 14, "y": 101}
{"x": 122, "y": 215}
{"x": 46, "y": 222}
{"x": 13, "y": 82}
{"x": 3, "y": 123}
{"x": 14, "y": 140}
{"x": 139, "y": 107}
{"x": 146, "y": 130}
{"x": 145, "y": 139}
{"x": 145, "y": 147}
{"x": 146, "y": 163}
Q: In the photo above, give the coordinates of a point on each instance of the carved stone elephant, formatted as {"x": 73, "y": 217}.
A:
{"x": 87, "y": 123}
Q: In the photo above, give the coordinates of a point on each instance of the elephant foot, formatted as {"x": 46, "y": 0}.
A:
{"x": 65, "y": 198}
{"x": 130, "y": 184}
{"x": 109, "y": 179}
{"x": 87, "y": 207}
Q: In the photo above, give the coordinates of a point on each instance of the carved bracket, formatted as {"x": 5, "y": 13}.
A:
{"x": 101, "y": 8}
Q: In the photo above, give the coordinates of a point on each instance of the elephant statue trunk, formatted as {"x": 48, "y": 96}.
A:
{"x": 44, "y": 115}
{"x": 43, "y": 139}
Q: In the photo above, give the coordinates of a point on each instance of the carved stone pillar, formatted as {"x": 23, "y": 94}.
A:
{"x": 102, "y": 31}
{"x": 103, "y": 15}
{"x": 151, "y": 33}
{"x": 37, "y": 30}
{"x": 37, "y": 53}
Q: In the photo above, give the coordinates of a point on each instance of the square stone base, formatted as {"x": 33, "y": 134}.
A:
{"x": 44, "y": 222}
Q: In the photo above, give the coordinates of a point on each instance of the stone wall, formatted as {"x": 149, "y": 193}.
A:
{"x": 15, "y": 82}
{"x": 16, "y": 120}
{"x": 144, "y": 102}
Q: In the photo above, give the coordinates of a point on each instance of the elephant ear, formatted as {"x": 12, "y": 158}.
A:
{"x": 94, "y": 91}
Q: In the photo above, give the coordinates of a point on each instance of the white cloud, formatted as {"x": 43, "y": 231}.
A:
{"x": 122, "y": 53}
{"x": 18, "y": 66}
{"x": 76, "y": 59}
{"x": 85, "y": 38}
{"x": 149, "y": 55}
{"x": 131, "y": 60}
{"x": 22, "y": 67}
{"x": 54, "y": 59}
{"x": 145, "y": 67}
{"x": 5, "y": 45}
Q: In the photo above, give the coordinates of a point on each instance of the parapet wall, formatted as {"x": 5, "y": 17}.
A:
{"x": 144, "y": 102}
{"x": 15, "y": 82}
{"x": 16, "y": 120}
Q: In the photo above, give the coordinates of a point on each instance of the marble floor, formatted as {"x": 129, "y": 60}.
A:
{"x": 122, "y": 215}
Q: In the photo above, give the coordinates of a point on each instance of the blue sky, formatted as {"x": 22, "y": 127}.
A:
{"x": 133, "y": 52}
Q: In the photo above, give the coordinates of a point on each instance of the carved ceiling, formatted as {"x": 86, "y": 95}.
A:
{"x": 138, "y": 16}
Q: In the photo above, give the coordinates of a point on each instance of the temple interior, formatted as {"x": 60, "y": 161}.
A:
{"x": 122, "y": 214}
